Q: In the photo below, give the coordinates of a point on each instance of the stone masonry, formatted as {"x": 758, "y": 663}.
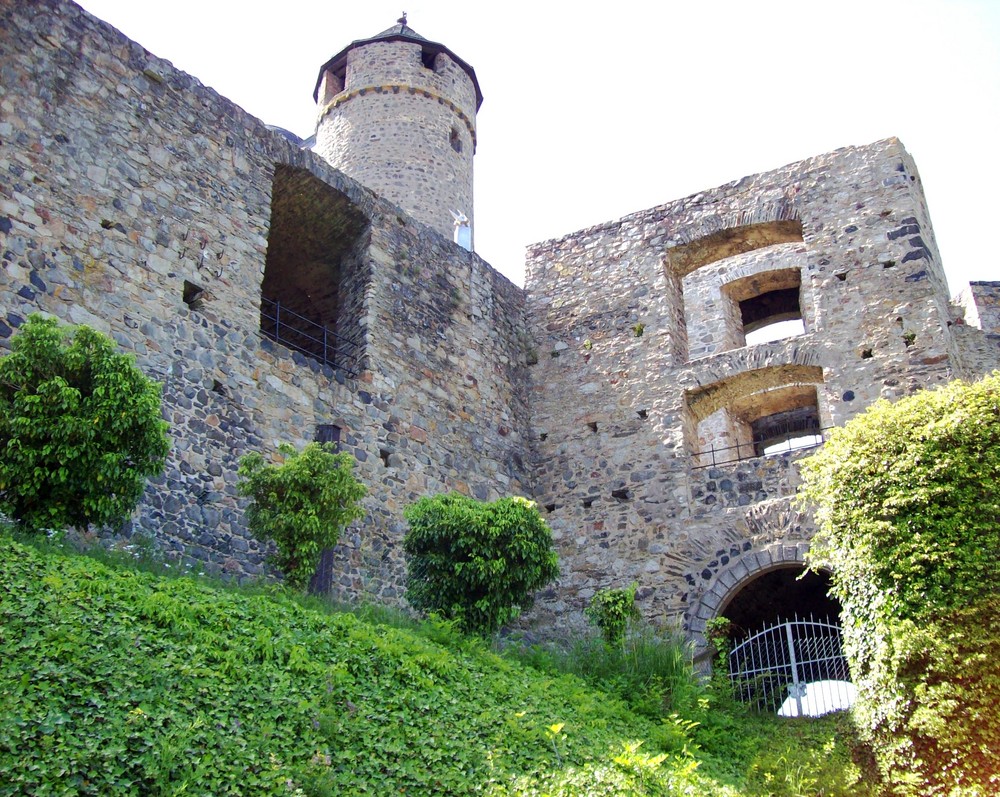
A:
{"x": 398, "y": 114}
{"x": 136, "y": 200}
{"x": 646, "y": 395}
{"x": 628, "y": 388}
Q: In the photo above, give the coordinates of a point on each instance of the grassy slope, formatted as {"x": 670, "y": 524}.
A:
{"x": 116, "y": 682}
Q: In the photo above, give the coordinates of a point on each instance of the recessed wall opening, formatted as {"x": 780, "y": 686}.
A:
{"x": 328, "y": 433}
{"x": 427, "y": 59}
{"x": 740, "y": 280}
{"x": 793, "y": 423}
{"x": 780, "y": 595}
{"x": 757, "y": 413}
{"x": 768, "y": 306}
{"x": 455, "y": 139}
{"x": 334, "y": 82}
{"x": 193, "y": 295}
{"x": 786, "y": 652}
{"x": 315, "y": 272}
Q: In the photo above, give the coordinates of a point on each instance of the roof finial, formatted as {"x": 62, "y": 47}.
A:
{"x": 402, "y": 20}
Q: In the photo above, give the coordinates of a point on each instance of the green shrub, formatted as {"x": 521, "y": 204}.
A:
{"x": 80, "y": 428}
{"x": 613, "y": 611}
{"x": 301, "y": 505}
{"x": 907, "y": 502}
{"x": 474, "y": 562}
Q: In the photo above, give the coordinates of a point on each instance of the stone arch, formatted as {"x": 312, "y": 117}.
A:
{"x": 730, "y": 579}
{"x": 705, "y": 400}
{"x": 723, "y": 416}
{"x": 716, "y": 238}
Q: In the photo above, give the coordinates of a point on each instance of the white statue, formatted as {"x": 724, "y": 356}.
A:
{"x": 463, "y": 229}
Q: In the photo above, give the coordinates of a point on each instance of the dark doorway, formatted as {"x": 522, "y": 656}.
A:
{"x": 780, "y": 595}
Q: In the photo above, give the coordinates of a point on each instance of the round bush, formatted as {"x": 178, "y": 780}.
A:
{"x": 474, "y": 562}
{"x": 80, "y": 428}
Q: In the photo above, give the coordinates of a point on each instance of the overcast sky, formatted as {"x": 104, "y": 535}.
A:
{"x": 592, "y": 114}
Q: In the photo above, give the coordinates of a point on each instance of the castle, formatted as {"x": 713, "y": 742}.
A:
{"x": 649, "y": 387}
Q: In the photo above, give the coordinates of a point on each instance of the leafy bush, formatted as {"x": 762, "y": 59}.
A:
{"x": 474, "y": 562}
{"x": 907, "y": 502}
{"x": 301, "y": 505}
{"x": 613, "y": 611}
{"x": 80, "y": 428}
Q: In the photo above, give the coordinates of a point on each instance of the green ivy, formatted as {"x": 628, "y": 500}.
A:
{"x": 474, "y": 562}
{"x": 301, "y": 505}
{"x": 909, "y": 512}
{"x": 613, "y": 611}
{"x": 121, "y": 683}
{"x": 80, "y": 428}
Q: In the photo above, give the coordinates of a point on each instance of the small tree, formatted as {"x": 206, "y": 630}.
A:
{"x": 908, "y": 505}
{"x": 80, "y": 428}
{"x": 301, "y": 505}
{"x": 474, "y": 562}
{"x": 613, "y": 611}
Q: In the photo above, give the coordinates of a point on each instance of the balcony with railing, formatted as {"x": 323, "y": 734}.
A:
{"x": 306, "y": 336}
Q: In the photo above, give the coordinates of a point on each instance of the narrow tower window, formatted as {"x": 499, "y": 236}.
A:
{"x": 455, "y": 140}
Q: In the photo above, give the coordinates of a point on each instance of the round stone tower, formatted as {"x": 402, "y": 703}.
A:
{"x": 398, "y": 114}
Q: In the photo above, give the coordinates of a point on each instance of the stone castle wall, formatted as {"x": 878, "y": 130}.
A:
{"x": 977, "y": 328}
{"x": 643, "y": 368}
{"x": 619, "y": 390}
{"x": 406, "y": 130}
{"x": 134, "y": 199}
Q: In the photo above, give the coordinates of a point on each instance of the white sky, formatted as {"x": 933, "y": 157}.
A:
{"x": 592, "y": 114}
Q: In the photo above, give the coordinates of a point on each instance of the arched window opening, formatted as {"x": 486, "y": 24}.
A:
{"x": 740, "y": 281}
{"x": 755, "y": 414}
{"x": 787, "y": 430}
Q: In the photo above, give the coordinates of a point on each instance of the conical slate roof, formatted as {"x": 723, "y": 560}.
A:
{"x": 400, "y": 32}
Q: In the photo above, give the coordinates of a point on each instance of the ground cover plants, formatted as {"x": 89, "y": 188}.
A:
{"x": 114, "y": 681}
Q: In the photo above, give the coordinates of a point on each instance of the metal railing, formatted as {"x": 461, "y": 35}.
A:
{"x": 794, "y": 668}
{"x": 755, "y": 449}
{"x": 302, "y": 334}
